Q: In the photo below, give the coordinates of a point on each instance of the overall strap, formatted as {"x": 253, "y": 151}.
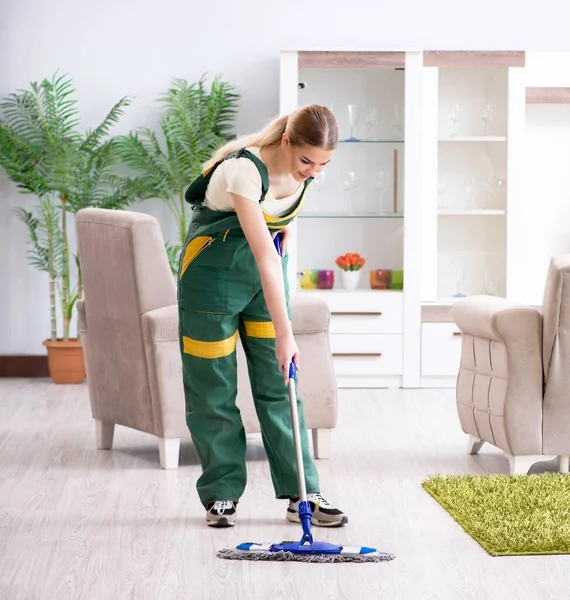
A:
{"x": 196, "y": 192}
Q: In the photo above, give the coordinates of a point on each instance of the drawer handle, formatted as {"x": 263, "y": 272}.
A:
{"x": 357, "y": 354}
{"x": 357, "y": 314}
{"x": 457, "y": 333}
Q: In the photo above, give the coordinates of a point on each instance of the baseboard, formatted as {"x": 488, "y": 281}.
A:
{"x": 24, "y": 366}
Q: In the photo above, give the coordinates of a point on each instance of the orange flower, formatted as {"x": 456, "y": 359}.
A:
{"x": 351, "y": 261}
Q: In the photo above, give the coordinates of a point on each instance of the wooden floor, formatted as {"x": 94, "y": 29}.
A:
{"x": 77, "y": 523}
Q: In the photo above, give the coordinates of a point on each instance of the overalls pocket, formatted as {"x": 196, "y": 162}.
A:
{"x": 193, "y": 249}
{"x": 203, "y": 281}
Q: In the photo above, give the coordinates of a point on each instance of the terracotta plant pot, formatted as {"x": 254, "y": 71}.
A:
{"x": 65, "y": 361}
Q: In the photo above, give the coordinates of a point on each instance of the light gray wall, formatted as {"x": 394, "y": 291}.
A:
{"x": 114, "y": 48}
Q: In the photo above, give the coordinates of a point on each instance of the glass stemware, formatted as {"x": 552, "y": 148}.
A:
{"x": 459, "y": 277}
{"x": 380, "y": 186}
{"x": 353, "y": 115}
{"x": 398, "y": 119}
{"x": 487, "y": 117}
{"x": 454, "y": 116}
{"x": 372, "y": 122}
{"x": 471, "y": 190}
{"x": 317, "y": 186}
{"x": 349, "y": 185}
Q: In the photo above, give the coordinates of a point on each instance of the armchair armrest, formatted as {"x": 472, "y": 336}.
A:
{"x": 496, "y": 319}
{"x": 160, "y": 332}
{"x": 500, "y": 382}
{"x": 161, "y": 324}
{"x": 309, "y": 314}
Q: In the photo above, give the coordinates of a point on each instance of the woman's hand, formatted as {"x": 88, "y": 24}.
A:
{"x": 286, "y": 350}
{"x": 285, "y": 235}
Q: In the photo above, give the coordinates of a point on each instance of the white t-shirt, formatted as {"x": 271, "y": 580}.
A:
{"x": 240, "y": 176}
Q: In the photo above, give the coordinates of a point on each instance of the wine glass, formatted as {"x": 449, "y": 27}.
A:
{"x": 454, "y": 116}
{"x": 398, "y": 118}
{"x": 353, "y": 115}
{"x": 487, "y": 116}
{"x": 471, "y": 190}
{"x": 319, "y": 181}
{"x": 459, "y": 277}
{"x": 380, "y": 186}
{"x": 349, "y": 185}
{"x": 317, "y": 185}
{"x": 495, "y": 185}
{"x": 372, "y": 122}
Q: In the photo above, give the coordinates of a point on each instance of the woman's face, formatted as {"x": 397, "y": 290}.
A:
{"x": 305, "y": 161}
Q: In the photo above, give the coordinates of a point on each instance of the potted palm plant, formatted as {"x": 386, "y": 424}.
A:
{"x": 43, "y": 151}
{"x": 195, "y": 121}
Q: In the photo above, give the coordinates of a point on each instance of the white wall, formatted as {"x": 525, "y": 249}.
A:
{"x": 115, "y": 47}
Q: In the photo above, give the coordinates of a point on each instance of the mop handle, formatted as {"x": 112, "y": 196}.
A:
{"x": 296, "y": 433}
{"x": 294, "y": 413}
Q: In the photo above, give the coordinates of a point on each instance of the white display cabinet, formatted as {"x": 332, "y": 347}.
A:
{"x": 358, "y": 205}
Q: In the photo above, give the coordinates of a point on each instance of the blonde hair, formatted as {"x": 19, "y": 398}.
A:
{"x": 311, "y": 125}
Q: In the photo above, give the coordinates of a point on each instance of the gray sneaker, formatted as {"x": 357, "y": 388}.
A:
{"x": 324, "y": 513}
{"x": 221, "y": 513}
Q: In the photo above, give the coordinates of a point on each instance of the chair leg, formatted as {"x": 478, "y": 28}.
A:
{"x": 169, "y": 451}
{"x": 563, "y": 463}
{"x": 104, "y": 432}
{"x": 322, "y": 442}
{"x": 474, "y": 445}
{"x": 520, "y": 465}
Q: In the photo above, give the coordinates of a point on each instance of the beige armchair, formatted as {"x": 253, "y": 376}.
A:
{"x": 513, "y": 388}
{"x": 128, "y": 321}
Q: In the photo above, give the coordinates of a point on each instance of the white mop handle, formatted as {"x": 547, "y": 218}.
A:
{"x": 297, "y": 440}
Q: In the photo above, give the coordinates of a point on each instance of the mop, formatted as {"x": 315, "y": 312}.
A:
{"x": 307, "y": 549}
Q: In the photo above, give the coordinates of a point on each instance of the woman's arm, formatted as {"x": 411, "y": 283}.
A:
{"x": 268, "y": 261}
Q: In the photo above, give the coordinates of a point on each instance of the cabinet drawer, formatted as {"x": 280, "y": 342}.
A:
{"x": 387, "y": 319}
{"x": 367, "y": 354}
{"x": 441, "y": 349}
{"x": 363, "y": 311}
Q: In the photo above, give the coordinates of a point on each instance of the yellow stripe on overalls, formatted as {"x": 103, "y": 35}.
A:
{"x": 259, "y": 329}
{"x": 209, "y": 349}
{"x": 280, "y": 222}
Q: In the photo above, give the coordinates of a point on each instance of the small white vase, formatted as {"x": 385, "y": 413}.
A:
{"x": 350, "y": 279}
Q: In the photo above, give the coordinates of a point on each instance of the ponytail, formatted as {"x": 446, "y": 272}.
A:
{"x": 270, "y": 135}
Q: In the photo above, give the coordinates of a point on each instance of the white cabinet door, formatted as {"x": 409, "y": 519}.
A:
{"x": 441, "y": 349}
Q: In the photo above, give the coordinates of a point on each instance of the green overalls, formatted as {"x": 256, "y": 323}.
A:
{"x": 219, "y": 297}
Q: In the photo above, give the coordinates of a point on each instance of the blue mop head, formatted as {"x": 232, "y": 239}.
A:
{"x": 318, "y": 552}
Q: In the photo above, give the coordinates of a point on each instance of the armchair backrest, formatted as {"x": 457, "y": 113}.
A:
{"x": 556, "y": 318}
{"x": 125, "y": 273}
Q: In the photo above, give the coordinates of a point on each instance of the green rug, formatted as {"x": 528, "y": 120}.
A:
{"x": 509, "y": 515}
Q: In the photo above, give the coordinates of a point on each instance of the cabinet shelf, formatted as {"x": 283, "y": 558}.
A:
{"x": 357, "y": 291}
{"x": 473, "y": 138}
{"x": 386, "y": 141}
{"x": 341, "y": 216}
{"x": 471, "y": 213}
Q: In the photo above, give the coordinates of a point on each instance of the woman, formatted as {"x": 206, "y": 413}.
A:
{"x": 232, "y": 281}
